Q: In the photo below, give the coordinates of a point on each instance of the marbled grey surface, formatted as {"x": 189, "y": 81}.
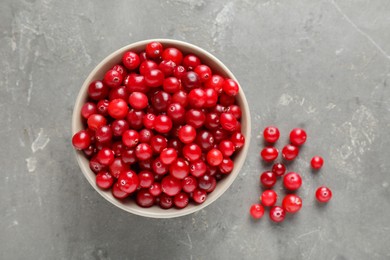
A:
{"x": 323, "y": 65}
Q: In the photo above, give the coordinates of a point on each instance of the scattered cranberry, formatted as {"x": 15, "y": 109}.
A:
{"x": 323, "y": 194}
{"x": 292, "y": 181}
{"x": 256, "y": 211}
{"x": 271, "y": 134}
{"x": 269, "y": 154}
{"x": 298, "y": 136}
{"x": 279, "y": 169}
{"x": 317, "y": 162}
{"x": 292, "y": 203}
{"x": 268, "y": 198}
{"x": 277, "y": 214}
{"x": 268, "y": 179}
{"x": 290, "y": 152}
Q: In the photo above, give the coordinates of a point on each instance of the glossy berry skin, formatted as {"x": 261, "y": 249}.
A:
{"x": 138, "y": 100}
{"x": 170, "y": 185}
{"x": 88, "y": 109}
{"x": 136, "y": 83}
{"x": 167, "y": 67}
{"x": 181, "y": 200}
{"x": 317, "y": 162}
{"x": 158, "y": 143}
{"x": 199, "y": 196}
{"x": 154, "y": 78}
{"x": 195, "y": 117}
{"x": 171, "y": 85}
{"x": 143, "y": 151}
{"x": 189, "y": 184}
{"x": 135, "y": 118}
{"x": 95, "y": 121}
{"x": 290, "y": 152}
{"x": 268, "y": 198}
{"x": 226, "y": 166}
{"x": 155, "y": 189}
{"x": 230, "y": 87}
{"x": 181, "y": 98}
{"x": 148, "y": 121}
{"x": 256, "y": 211}
{"x": 95, "y": 166}
{"x": 190, "y": 80}
{"x": 144, "y": 198}
{"x": 277, "y": 214}
{"x": 179, "y": 72}
{"x": 104, "y": 180}
{"x": 238, "y": 140}
{"x": 268, "y": 179}
{"x": 204, "y": 72}
{"x": 166, "y": 201}
{"x": 118, "y": 193}
{"x": 176, "y": 112}
{"x": 128, "y": 181}
{"x": 205, "y": 140}
{"x": 113, "y": 78}
{"x": 154, "y": 50}
{"x": 190, "y": 62}
{"x": 216, "y": 82}
{"x": 102, "y": 107}
{"x": 97, "y": 90}
{"x": 235, "y": 111}
{"x": 105, "y": 156}
{"x": 323, "y": 194}
{"x": 163, "y": 124}
{"x": 298, "y": 136}
{"x": 292, "y": 203}
{"x": 103, "y": 134}
{"x": 214, "y": 157}
{"x": 130, "y": 138}
{"x": 228, "y": 121}
{"x": 146, "y": 179}
{"x": 159, "y": 168}
{"x": 172, "y": 54}
{"x": 197, "y": 98}
{"x": 118, "y": 108}
{"x": 192, "y": 152}
{"x": 187, "y": 134}
{"x": 227, "y": 148}
{"x": 271, "y": 134}
{"x": 117, "y": 167}
{"x": 145, "y": 136}
{"x": 279, "y": 169}
{"x": 226, "y": 100}
{"x": 81, "y": 140}
{"x": 198, "y": 168}
{"x": 168, "y": 156}
{"x": 292, "y": 181}
{"x": 131, "y": 60}
{"x": 211, "y": 98}
{"x": 269, "y": 154}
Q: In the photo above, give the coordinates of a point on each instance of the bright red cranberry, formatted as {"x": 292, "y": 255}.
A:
{"x": 138, "y": 100}
{"x": 214, "y": 157}
{"x": 135, "y": 118}
{"x": 290, "y": 152}
{"x": 235, "y": 111}
{"x": 269, "y": 154}
{"x": 179, "y": 72}
{"x": 197, "y": 98}
{"x": 154, "y": 78}
{"x": 105, "y": 156}
{"x": 81, "y": 140}
{"x": 256, "y": 211}
{"x": 95, "y": 166}
{"x": 160, "y": 101}
{"x": 323, "y": 194}
{"x": 171, "y": 185}
{"x": 227, "y": 148}
{"x": 118, "y": 166}
{"x": 228, "y": 121}
{"x": 181, "y": 98}
{"x": 189, "y": 184}
{"x": 230, "y": 87}
{"x": 103, "y": 134}
{"x": 130, "y": 60}
{"x": 118, "y": 193}
{"x": 167, "y": 67}
{"x": 181, "y": 200}
{"x": 118, "y": 108}
{"x": 145, "y": 135}
{"x": 102, "y": 107}
{"x": 143, "y": 151}
{"x": 212, "y": 121}
{"x": 155, "y": 189}
{"x": 163, "y": 124}
{"x": 279, "y": 169}
{"x": 192, "y": 152}
{"x": 195, "y": 117}
{"x": 179, "y": 168}
{"x": 317, "y": 162}
{"x": 148, "y": 121}
{"x": 204, "y": 72}
{"x": 199, "y": 196}
{"x": 271, "y": 134}
{"x": 190, "y": 62}
{"x": 119, "y": 92}
{"x": 130, "y": 138}
{"x": 154, "y": 50}
{"x": 205, "y": 140}
{"x": 128, "y": 156}
{"x": 113, "y": 78}
{"x": 168, "y": 155}
{"x": 176, "y": 112}
{"x": 95, "y": 121}
{"x": 292, "y": 203}
{"x": 128, "y": 181}
{"x": 292, "y": 181}
{"x": 190, "y": 80}
{"x": 97, "y": 90}
{"x": 198, "y": 168}
{"x": 216, "y": 82}
{"x": 146, "y": 179}
{"x": 226, "y": 100}
{"x": 144, "y": 198}
{"x": 298, "y": 136}
{"x": 104, "y": 180}
{"x": 211, "y": 98}
{"x": 205, "y": 181}
{"x": 166, "y": 201}
{"x": 159, "y": 168}
{"x": 268, "y": 198}
{"x": 146, "y": 66}
{"x": 268, "y": 179}
{"x": 171, "y": 85}
{"x": 187, "y": 134}
{"x": 136, "y": 83}
{"x": 88, "y": 109}
{"x": 173, "y": 54}
{"x": 226, "y": 166}
{"x": 277, "y": 214}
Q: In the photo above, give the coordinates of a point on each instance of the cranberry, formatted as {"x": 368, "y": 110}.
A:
{"x": 117, "y": 192}
{"x": 323, "y": 194}
{"x": 158, "y": 167}
{"x": 131, "y": 60}
{"x": 171, "y": 185}
{"x": 128, "y": 181}
{"x": 192, "y": 152}
{"x": 227, "y": 148}
{"x": 135, "y": 118}
{"x": 226, "y": 100}
{"x": 154, "y": 78}
{"x": 143, "y": 57}
{"x": 181, "y": 200}
{"x": 144, "y": 198}
{"x": 167, "y": 67}
{"x": 138, "y": 100}
{"x": 279, "y": 169}
{"x": 146, "y": 179}
{"x": 292, "y": 181}
{"x": 205, "y": 181}
{"x": 102, "y": 107}
{"x": 216, "y": 82}
{"x": 95, "y": 121}
{"x": 220, "y": 134}
{"x": 81, "y": 140}
{"x": 168, "y": 155}
{"x": 176, "y": 112}
{"x": 204, "y": 72}
{"x": 128, "y": 156}
{"x": 230, "y": 87}
{"x": 158, "y": 143}
{"x": 88, "y": 109}
{"x": 118, "y": 108}
{"x": 189, "y": 184}
{"x": 105, "y": 156}
{"x": 146, "y": 66}
{"x": 175, "y": 144}
{"x": 136, "y": 83}
{"x": 146, "y": 165}
{"x": 130, "y": 138}
{"x": 171, "y": 85}
{"x": 160, "y": 101}
{"x": 103, "y": 134}
{"x": 269, "y": 154}
{"x": 277, "y": 214}
{"x": 190, "y": 80}
{"x": 256, "y": 211}
{"x": 211, "y": 121}
{"x": 190, "y": 62}
{"x": 119, "y": 92}
{"x": 118, "y": 166}
{"x": 145, "y": 135}
{"x": 113, "y": 78}
{"x": 179, "y": 72}
{"x": 290, "y": 152}
{"x": 172, "y": 54}
{"x": 298, "y": 136}
{"x": 205, "y": 140}
{"x": 198, "y": 168}
{"x": 235, "y": 111}
{"x": 199, "y": 196}
{"x": 195, "y": 117}
{"x": 268, "y": 179}
{"x": 95, "y": 166}
{"x": 120, "y": 69}
{"x": 97, "y": 90}
{"x": 292, "y": 203}
{"x": 155, "y": 189}
{"x": 211, "y": 98}
{"x": 268, "y": 198}
{"x": 154, "y": 50}
{"x": 148, "y": 121}
{"x": 143, "y": 151}
{"x": 271, "y": 134}
{"x": 89, "y": 151}
{"x": 317, "y": 162}
{"x": 104, "y": 180}
{"x": 181, "y": 98}
{"x": 162, "y": 124}
{"x": 166, "y": 201}
{"x": 219, "y": 109}
{"x": 214, "y": 157}
{"x": 197, "y": 98}
{"x": 179, "y": 168}
{"x": 187, "y": 134}
{"x": 226, "y": 166}
{"x": 228, "y": 121}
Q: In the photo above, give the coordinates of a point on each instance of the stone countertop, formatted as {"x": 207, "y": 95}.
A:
{"x": 322, "y": 65}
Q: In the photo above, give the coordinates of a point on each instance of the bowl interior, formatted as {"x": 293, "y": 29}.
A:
{"x": 216, "y": 66}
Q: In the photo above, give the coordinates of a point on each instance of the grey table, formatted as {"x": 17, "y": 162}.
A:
{"x": 323, "y": 65}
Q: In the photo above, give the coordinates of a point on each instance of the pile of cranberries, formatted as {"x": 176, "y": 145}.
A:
{"x": 292, "y": 181}
{"x": 160, "y": 128}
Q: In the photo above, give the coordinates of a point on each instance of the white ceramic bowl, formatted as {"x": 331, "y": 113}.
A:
{"x": 155, "y": 211}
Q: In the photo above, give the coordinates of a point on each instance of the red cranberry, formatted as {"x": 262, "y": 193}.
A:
{"x": 173, "y": 54}
{"x": 118, "y": 108}
{"x": 323, "y": 194}
{"x": 317, "y": 162}
{"x": 204, "y": 72}
{"x": 81, "y": 140}
{"x": 159, "y": 168}
{"x": 298, "y": 136}
{"x": 290, "y": 152}
{"x": 135, "y": 118}
{"x": 190, "y": 80}
{"x": 128, "y": 156}
{"x": 268, "y": 179}
{"x": 211, "y": 121}
{"x": 155, "y": 189}
{"x": 154, "y": 50}
{"x": 103, "y": 134}
{"x": 226, "y": 166}
{"x": 160, "y": 101}
{"x": 148, "y": 121}
{"x": 95, "y": 166}
{"x": 216, "y": 82}
{"x": 205, "y": 182}
{"x": 213, "y": 185}
{"x": 230, "y": 87}
{"x": 119, "y": 92}
{"x": 144, "y": 198}
{"x": 171, "y": 85}
{"x": 205, "y": 140}
{"x": 97, "y": 90}
{"x": 104, "y": 180}
{"x": 256, "y": 211}
{"x": 138, "y": 100}
{"x": 220, "y": 134}
{"x": 154, "y": 78}
{"x": 166, "y": 201}
{"x": 158, "y": 143}
{"x": 187, "y": 134}
{"x": 118, "y": 193}
{"x": 197, "y": 98}
{"x": 146, "y": 179}
{"x": 95, "y": 121}
{"x": 168, "y": 155}
{"x": 228, "y": 121}
{"x": 218, "y": 109}
{"x": 176, "y": 112}
{"x": 199, "y": 196}
{"x": 269, "y": 154}
{"x": 292, "y": 181}
{"x": 226, "y": 100}
{"x": 118, "y": 166}
{"x": 271, "y": 134}
{"x": 170, "y": 185}
{"x": 277, "y": 214}
{"x": 227, "y": 148}
{"x": 117, "y": 147}
{"x": 179, "y": 72}
{"x": 167, "y": 67}
{"x": 211, "y": 98}
{"x": 88, "y": 109}
{"x": 190, "y": 62}
{"x": 214, "y": 157}
{"x": 268, "y": 198}
{"x": 89, "y": 151}
{"x": 143, "y": 57}
{"x": 130, "y": 138}
{"x": 292, "y": 203}
{"x": 130, "y": 60}
{"x": 143, "y": 151}
{"x": 279, "y": 169}
{"x": 198, "y": 168}
{"x": 120, "y": 69}
{"x": 163, "y": 124}
{"x": 146, "y": 165}
{"x": 181, "y": 98}
{"x": 179, "y": 168}
{"x": 235, "y": 111}
{"x": 192, "y": 152}
{"x": 146, "y": 66}
{"x": 102, "y": 107}
{"x": 136, "y": 83}
{"x": 145, "y": 135}
{"x": 128, "y": 181}
{"x": 113, "y": 78}
{"x": 105, "y": 156}
{"x": 176, "y": 144}
{"x": 195, "y": 117}
{"x": 181, "y": 200}
{"x": 189, "y": 184}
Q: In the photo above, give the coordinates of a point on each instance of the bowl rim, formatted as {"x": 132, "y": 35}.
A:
{"x": 145, "y": 212}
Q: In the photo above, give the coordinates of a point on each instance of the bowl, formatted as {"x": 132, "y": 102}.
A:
{"x": 156, "y": 212}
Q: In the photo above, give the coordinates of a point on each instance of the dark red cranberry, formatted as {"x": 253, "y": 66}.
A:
{"x": 144, "y": 198}
{"x": 226, "y": 100}
{"x": 128, "y": 156}
{"x": 89, "y": 151}
{"x": 97, "y": 90}
{"x": 143, "y": 151}
{"x": 102, "y": 107}
{"x": 143, "y": 57}
{"x": 199, "y": 196}
{"x": 218, "y": 109}
{"x": 181, "y": 98}
{"x": 205, "y": 182}
{"x": 212, "y": 121}
{"x": 279, "y": 169}
{"x": 162, "y": 124}
{"x": 130, "y": 138}
{"x": 105, "y": 156}
{"x": 148, "y": 121}
{"x": 96, "y": 166}
{"x": 198, "y": 168}
{"x": 235, "y": 111}
{"x": 179, "y": 168}
{"x": 154, "y": 50}
{"x": 160, "y": 100}
{"x": 230, "y": 87}
{"x": 118, "y": 147}
{"x": 204, "y": 72}
{"x": 95, "y": 121}
{"x": 190, "y": 80}
{"x": 113, "y": 78}
{"x": 159, "y": 167}
{"x": 195, "y": 117}
{"x": 192, "y": 152}
{"x": 103, "y": 134}
{"x": 118, "y": 166}
{"x": 226, "y": 166}
{"x": 131, "y": 60}
{"x": 189, "y": 184}
{"x": 179, "y": 72}
{"x": 119, "y": 92}
{"x": 238, "y": 140}
{"x": 167, "y": 67}
{"x": 145, "y": 135}
{"x": 146, "y": 165}
{"x": 220, "y": 134}
{"x": 176, "y": 112}
{"x": 205, "y": 140}
{"x": 268, "y": 179}
{"x": 118, "y": 193}
{"x": 155, "y": 189}
{"x": 176, "y": 144}
{"x": 171, "y": 185}
{"x": 135, "y": 118}
{"x": 166, "y": 201}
